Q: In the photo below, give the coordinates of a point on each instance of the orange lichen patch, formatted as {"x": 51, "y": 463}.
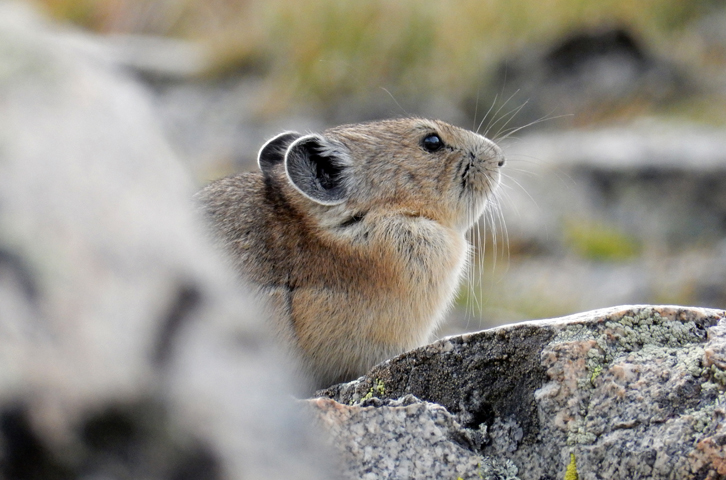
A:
{"x": 625, "y": 373}
{"x": 332, "y": 414}
{"x": 566, "y": 365}
{"x": 714, "y": 357}
{"x": 567, "y": 361}
{"x": 710, "y": 452}
{"x": 613, "y": 389}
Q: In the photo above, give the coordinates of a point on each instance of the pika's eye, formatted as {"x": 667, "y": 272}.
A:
{"x": 432, "y": 142}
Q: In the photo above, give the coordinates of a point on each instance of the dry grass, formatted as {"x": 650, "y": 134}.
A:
{"x": 322, "y": 49}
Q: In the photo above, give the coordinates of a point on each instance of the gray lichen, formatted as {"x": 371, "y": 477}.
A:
{"x": 644, "y": 334}
{"x": 492, "y": 468}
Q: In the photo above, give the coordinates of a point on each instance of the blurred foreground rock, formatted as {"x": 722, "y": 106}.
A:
{"x": 632, "y": 392}
{"x": 126, "y": 348}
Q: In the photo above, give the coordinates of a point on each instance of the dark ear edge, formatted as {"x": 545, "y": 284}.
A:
{"x": 316, "y": 167}
{"x": 273, "y": 151}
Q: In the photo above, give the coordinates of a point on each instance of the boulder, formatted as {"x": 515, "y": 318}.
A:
{"x": 127, "y": 348}
{"x": 590, "y": 72}
{"x": 621, "y": 393}
{"x": 657, "y": 181}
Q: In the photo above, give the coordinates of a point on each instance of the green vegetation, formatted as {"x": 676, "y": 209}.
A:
{"x": 596, "y": 371}
{"x": 600, "y": 242}
{"x": 571, "y": 473}
{"x": 320, "y": 50}
{"x": 376, "y": 390}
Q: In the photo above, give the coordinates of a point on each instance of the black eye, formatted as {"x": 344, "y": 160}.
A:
{"x": 432, "y": 142}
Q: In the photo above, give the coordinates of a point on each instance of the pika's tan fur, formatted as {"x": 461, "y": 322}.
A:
{"x": 356, "y": 234}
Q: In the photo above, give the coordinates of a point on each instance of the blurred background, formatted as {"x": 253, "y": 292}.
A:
{"x": 615, "y": 187}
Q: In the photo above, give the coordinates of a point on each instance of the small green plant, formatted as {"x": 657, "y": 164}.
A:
{"x": 376, "y": 390}
{"x": 595, "y": 373}
{"x": 571, "y": 472}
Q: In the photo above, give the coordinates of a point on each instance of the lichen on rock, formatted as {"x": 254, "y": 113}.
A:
{"x": 632, "y": 392}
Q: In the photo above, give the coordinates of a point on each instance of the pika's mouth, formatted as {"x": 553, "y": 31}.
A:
{"x": 477, "y": 176}
{"x": 466, "y": 174}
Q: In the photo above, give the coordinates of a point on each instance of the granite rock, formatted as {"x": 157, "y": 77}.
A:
{"x": 404, "y": 438}
{"x": 632, "y": 392}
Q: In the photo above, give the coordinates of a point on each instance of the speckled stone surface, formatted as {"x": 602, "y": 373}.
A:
{"x": 404, "y": 438}
{"x": 380, "y": 434}
{"x": 633, "y": 392}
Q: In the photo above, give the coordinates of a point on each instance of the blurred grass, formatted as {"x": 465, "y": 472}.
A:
{"x": 321, "y": 50}
{"x": 600, "y": 242}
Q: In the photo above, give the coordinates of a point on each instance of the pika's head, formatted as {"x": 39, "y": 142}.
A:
{"x": 411, "y": 166}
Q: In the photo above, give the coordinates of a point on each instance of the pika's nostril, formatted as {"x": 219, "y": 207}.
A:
{"x": 501, "y": 162}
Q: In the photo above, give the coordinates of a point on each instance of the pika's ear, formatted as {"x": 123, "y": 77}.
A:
{"x": 273, "y": 151}
{"x": 317, "y": 167}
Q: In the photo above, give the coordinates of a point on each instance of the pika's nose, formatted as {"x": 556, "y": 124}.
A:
{"x": 494, "y": 152}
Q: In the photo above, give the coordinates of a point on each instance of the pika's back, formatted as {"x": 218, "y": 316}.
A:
{"x": 357, "y": 234}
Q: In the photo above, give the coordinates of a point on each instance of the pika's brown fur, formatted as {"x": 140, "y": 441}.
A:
{"x": 357, "y": 234}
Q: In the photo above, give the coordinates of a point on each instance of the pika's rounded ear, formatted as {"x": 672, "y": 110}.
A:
{"x": 316, "y": 167}
{"x": 273, "y": 151}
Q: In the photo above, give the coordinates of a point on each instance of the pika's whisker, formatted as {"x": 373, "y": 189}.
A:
{"x": 523, "y": 171}
{"x": 487, "y": 114}
{"x": 503, "y": 225}
{"x": 489, "y": 125}
{"x": 524, "y": 158}
{"x": 534, "y": 122}
{"x": 512, "y": 114}
{"x": 512, "y": 179}
{"x": 476, "y": 108}
{"x": 396, "y": 101}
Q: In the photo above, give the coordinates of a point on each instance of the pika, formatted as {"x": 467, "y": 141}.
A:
{"x": 357, "y": 235}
